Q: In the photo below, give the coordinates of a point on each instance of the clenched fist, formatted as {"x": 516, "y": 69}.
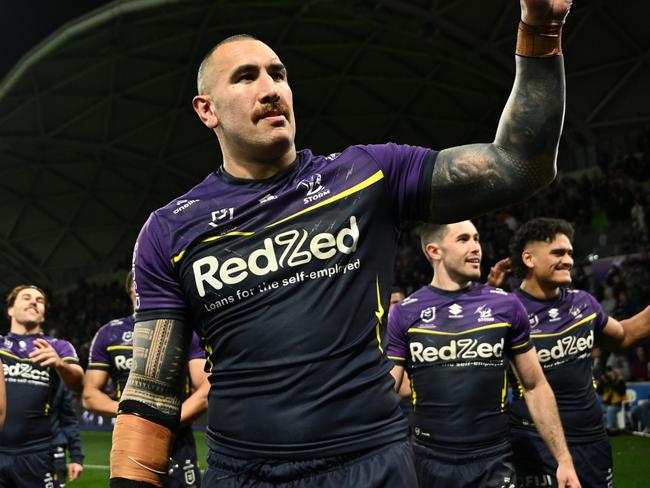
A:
{"x": 544, "y": 12}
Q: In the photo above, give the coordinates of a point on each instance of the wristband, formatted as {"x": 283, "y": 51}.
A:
{"x": 544, "y": 41}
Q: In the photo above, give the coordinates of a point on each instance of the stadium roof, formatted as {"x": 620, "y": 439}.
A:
{"x": 97, "y": 130}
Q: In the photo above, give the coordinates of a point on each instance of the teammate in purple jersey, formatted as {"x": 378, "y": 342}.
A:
{"x": 34, "y": 366}
{"x": 111, "y": 357}
{"x": 457, "y": 339}
{"x": 283, "y": 260}
{"x": 565, "y": 324}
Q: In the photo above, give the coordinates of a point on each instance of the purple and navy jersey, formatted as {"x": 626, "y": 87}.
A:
{"x": 287, "y": 280}
{"x": 30, "y": 391}
{"x": 456, "y": 348}
{"x": 563, "y": 329}
{"x": 112, "y": 351}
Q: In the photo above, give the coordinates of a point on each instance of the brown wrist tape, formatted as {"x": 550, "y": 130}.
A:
{"x": 544, "y": 41}
{"x": 140, "y": 450}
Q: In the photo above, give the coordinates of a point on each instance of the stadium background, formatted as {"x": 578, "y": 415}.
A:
{"x": 96, "y": 130}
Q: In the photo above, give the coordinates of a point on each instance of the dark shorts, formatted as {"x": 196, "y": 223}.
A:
{"x": 489, "y": 467}
{"x": 60, "y": 466}
{"x": 389, "y": 466}
{"x": 184, "y": 470}
{"x": 34, "y": 470}
{"x": 536, "y": 466}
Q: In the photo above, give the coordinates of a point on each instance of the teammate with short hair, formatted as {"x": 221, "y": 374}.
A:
{"x": 457, "y": 338}
{"x": 66, "y": 437}
{"x": 34, "y": 366}
{"x": 283, "y": 260}
{"x": 111, "y": 357}
{"x": 565, "y": 323}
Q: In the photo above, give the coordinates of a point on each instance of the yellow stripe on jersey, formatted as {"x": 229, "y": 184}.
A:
{"x": 379, "y": 175}
{"x": 379, "y": 313}
{"x": 414, "y": 396}
{"x": 113, "y": 348}
{"x": 354, "y": 189}
{"x": 504, "y": 390}
{"x": 395, "y": 358}
{"x": 99, "y": 364}
{"x": 9, "y": 355}
{"x": 520, "y": 345}
{"x": 571, "y": 327}
{"x": 438, "y": 332}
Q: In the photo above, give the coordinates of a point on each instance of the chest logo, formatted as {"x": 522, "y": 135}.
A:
{"x": 484, "y": 313}
{"x": 127, "y": 336}
{"x": 314, "y": 188}
{"x": 455, "y": 311}
{"x": 428, "y": 315}
{"x": 576, "y": 312}
{"x": 553, "y": 315}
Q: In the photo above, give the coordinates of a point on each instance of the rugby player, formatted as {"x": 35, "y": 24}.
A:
{"x": 111, "y": 357}
{"x": 565, "y": 323}
{"x": 457, "y": 338}
{"x": 283, "y": 260}
{"x": 34, "y": 367}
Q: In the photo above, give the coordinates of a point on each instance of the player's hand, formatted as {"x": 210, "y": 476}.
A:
{"x": 544, "y": 12}
{"x": 74, "y": 471}
{"x": 566, "y": 476}
{"x": 45, "y": 354}
{"x": 498, "y": 273}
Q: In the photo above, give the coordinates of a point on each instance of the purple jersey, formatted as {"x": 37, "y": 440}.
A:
{"x": 30, "y": 390}
{"x": 112, "y": 351}
{"x": 455, "y": 347}
{"x": 287, "y": 280}
{"x": 563, "y": 329}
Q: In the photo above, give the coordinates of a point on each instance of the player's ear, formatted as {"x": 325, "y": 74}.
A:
{"x": 205, "y": 109}
{"x": 527, "y": 258}
{"x": 433, "y": 251}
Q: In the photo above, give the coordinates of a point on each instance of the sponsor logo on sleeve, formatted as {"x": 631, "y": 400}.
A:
{"x": 182, "y": 205}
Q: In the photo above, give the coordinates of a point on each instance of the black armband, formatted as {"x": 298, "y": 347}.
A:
{"x": 146, "y": 412}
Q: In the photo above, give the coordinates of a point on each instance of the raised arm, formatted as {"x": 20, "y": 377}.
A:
{"x": 477, "y": 178}
{"x": 543, "y": 410}
{"x": 622, "y": 335}
{"x": 150, "y": 406}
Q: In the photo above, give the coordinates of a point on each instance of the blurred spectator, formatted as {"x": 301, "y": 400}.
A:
{"x": 639, "y": 365}
{"x": 612, "y": 387}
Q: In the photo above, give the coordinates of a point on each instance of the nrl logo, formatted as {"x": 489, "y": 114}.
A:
{"x": 533, "y": 320}
{"x": 428, "y": 315}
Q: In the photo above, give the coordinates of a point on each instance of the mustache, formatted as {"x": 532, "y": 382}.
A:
{"x": 276, "y": 106}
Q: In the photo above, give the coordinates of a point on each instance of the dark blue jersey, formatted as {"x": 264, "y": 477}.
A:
{"x": 563, "y": 329}
{"x": 65, "y": 424}
{"x": 455, "y": 347}
{"x": 287, "y": 280}
{"x": 112, "y": 351}
{"x": 30, "y": 391}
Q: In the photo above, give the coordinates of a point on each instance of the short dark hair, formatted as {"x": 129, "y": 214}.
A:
{"x": 541, "y": 229}
{"x": 13, "y": 294}
{"x": 430, "y": 232}
{"x": 206, "y": 59}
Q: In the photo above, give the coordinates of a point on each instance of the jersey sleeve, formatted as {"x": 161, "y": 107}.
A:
{"x": 407, "y": 173}
{"x": 397, "y": 348}
{"x": 519, "y": 340}
{"x": 601, "y": 315}
{"x": 158, "y": 292}
{"x": 98, "y": 357}
{"x": 196, "y": 351}
{"x": 66, "y": 351}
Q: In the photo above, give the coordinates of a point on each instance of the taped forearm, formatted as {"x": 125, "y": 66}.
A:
{"x": 150, "y": 406}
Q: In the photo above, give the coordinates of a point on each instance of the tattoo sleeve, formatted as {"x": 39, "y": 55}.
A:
{"x": 160, "y": 349}
{"x": 477, "y": 178}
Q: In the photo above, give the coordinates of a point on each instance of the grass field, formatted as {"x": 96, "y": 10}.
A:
{"x": 631, "y": 460}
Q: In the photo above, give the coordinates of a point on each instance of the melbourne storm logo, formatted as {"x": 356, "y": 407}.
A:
{"x": 314, "y": 188}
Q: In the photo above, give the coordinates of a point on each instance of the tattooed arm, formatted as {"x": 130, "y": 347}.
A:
{"x": 474, "y": 179}
{"x": 150, "y": 406}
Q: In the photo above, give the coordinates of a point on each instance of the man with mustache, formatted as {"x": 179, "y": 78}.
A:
{"x": 34, "y": 366}
{"x": 283, "y": 261}
{"x": 457, "y": 338}
{"x": 565, "y": 324}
